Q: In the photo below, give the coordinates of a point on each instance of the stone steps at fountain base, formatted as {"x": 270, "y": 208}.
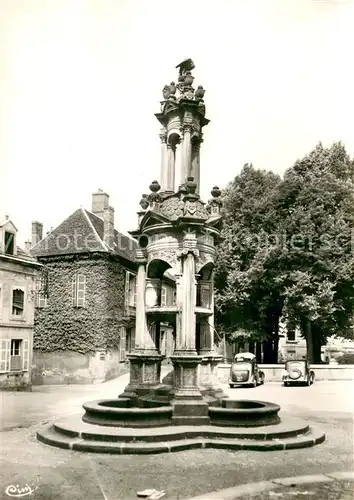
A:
{"x": 76, "y": 435}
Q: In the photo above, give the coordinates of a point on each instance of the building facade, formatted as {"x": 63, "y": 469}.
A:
{"x": 85, "y": 318}
{"x": 18, "y": 282}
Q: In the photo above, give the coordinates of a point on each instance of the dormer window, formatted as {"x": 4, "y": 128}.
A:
{"x": 9, "y": 243}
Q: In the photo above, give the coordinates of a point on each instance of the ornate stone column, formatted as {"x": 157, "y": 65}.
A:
{"x": 189, "y": 406}
{"x": 186, "y": 153}
{"x": 145, "y": 360}
{"x": 171, "y": 161}
{"x": 195, "y": 166}
{"x": 164, "y": 162}
{"x": 208, "y": 381}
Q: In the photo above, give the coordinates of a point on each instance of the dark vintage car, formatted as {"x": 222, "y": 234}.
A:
{"x": 244, "y": 371}
{"x": 297, "y": 371}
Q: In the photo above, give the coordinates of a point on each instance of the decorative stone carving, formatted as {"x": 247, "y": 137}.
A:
{"x": 173, "y": 89}
{"x": 199, "y": 93}
{"x": 204, "y": 258}
{"x": 190, "y": 207}
{"x": 172, "y": 208}
{"x": 195, "y": 209}
{"x": 215, "y": 204}
{"x": 166, "y": 92}
{"x": 168, "y": 256}
{"x": 163, "y": 136}
{"x": 191, "y": 186}
{"x": 144, "y": 202}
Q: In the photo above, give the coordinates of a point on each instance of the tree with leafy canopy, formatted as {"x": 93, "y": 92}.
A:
{"x": 316, "y": 212}
{"x": 287, "y": 252}
{"x": 248, "y": 302}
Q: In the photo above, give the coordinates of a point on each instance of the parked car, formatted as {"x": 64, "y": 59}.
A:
{"x": 244, "y": 371}
{"x": 297, "y": 371}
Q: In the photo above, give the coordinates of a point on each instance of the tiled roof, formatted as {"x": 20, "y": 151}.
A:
{"x": 82, "y": 232}
{"x": 21, "y": 254}
{"x": 123, "y": 245}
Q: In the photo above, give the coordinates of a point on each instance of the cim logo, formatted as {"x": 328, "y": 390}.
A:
{"x": 19, "y": 491}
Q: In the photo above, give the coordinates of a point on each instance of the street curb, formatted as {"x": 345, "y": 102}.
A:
{"x": 254, "y": 488}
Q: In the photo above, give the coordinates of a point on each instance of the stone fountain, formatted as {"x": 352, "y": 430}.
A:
{"x": 178, "y": 234}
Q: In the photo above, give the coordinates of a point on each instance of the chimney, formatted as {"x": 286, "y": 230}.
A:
{"x": 108, "y": 227}
{"x": 100, "y": 201}
{"x": 28, "y": 245}
{"x": 37, "y": 232}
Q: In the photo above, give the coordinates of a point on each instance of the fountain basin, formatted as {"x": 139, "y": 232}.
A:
{"x": 120, "y": 413}
{"x": 245, "y": 413}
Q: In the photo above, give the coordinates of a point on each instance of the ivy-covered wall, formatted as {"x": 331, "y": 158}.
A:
{"x": 61, "y": 327}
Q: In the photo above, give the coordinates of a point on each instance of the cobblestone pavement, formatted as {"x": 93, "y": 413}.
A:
{"x": 61, "y": 474}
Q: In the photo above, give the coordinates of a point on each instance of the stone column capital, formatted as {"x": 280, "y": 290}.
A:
{"x": 187, "y": 128}
{"x": 163, "y": 136}
{"x": 141, "y": 257}
{"x": 185, "y": 251}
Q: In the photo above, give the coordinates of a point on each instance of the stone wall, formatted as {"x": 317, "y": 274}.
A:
{"x": 68, "y": 339}
{"x": 67, "y": 367}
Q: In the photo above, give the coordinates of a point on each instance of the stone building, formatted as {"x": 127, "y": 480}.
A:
{"x": 85, "y": 318}
{"x": 18, "y": 277}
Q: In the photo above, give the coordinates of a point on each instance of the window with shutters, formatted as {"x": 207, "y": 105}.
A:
{"x": 4, "y": 355}
{"x": 25, "y": 356}
{"x": 16, "y": 355}
{"x": 41, "y": 291}
{"x": 130, "y": 289}
{"x": 163, "y": 295}
{"x": 79, "y": 290}
{"x": 122, "y": 344}
{"x": 41, "y": 301}
{"x": 18, "y": 301}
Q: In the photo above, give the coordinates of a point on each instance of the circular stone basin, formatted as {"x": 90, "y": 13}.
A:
{"x": 120, "y": 413}
{"x": 244, "y": 413}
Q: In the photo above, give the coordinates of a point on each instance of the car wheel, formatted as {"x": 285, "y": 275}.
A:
{"x": 286, "y": 384}
{"x": 231, "y": 386}
{"x": 254, "y": 383}
{"x": 308, "y": 382}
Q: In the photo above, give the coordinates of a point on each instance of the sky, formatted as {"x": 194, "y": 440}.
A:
{"x": 80, "y": 81}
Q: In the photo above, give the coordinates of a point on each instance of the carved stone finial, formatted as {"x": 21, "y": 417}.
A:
{"x": 173, "y": 88}
{"x": 154, "y": 186}
{"x": 144, "y": 202}
{"x": 191, "y": 186}
{"x": 166, "y": 92}
{"x": 184, "y": 66}
{"x": 188, "y": 79}
{"x": 215, "y": 192}
{"x": 199, "y": 93}
{"x": 214, "y": 205}
{"x": 185, "y": 78}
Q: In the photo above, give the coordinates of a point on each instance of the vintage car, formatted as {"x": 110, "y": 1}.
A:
{"x": 297, "y": 371}
{"x": 244, "y": 371}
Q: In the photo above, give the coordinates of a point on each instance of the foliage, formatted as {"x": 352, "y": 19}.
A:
{"x": 346, "y": 359}
{"x": 287, "y": 250}
{"x": 60, "y": 326}
{"x": 315, "y": 201}
{"x": 247, "y": 297}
